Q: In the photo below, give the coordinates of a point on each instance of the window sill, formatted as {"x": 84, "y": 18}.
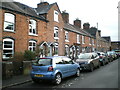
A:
{"x": 56, "y": 38}
{"x": 33, "y": 35}
{"x": 67, "y": 41}
{"x": 78, "y": 42}
{"x": 9, "y": 31}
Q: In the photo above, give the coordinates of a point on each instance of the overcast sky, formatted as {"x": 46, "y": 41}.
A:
{"x": 104, "y": 12}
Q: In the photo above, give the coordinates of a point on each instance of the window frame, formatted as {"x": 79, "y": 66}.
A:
{"x": 32, "y": 45}
{"x": 83, "y": 39}
{"x": 67, "y": 50}
{"x": 66, "y": 36}
{"x": 56, "y": 49}
{"x": 56, "y": 14}
{"x": 10, "y": 15}
{"x": 90, "y": 41}
{"x": 12, "y": 48}
{"x": 78, "y": 38}
{"x": 33, "y": 26}
{"x": 56, "y": 32}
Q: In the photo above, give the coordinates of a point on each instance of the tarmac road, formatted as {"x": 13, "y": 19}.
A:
{"x": 103, "y": 77}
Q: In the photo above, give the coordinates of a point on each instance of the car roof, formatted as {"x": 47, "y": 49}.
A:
{"x": 51, "y": 57}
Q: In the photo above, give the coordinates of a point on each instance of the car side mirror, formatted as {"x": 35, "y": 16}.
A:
{"x": 92, "y": 57}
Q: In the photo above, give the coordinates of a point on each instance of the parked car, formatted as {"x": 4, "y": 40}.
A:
{"x": 112, "y": 55}
{"x": 88, "y": 61}
{"x": 103, "y": 58}
{"x": 54, "y": 68}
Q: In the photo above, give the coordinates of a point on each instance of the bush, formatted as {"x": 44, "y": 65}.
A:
{"x": 29, "y": 55}
{"x": 17, "y": 63}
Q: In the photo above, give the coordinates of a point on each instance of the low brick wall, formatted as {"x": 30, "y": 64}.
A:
{"x": 27, "y": 66}
{"x": 7, "y": 70}
{"x": 10, "y": 69}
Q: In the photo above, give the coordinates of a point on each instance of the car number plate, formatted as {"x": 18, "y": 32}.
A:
{"x": 38, "y": 75}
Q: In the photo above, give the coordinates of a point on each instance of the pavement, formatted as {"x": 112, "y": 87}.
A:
{"x": 16, "y": 80}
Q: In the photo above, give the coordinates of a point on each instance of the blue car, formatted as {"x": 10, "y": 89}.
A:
{"x": 54, "y": 68}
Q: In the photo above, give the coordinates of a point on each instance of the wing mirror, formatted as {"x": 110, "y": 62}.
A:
{"x": 92, "y": 57}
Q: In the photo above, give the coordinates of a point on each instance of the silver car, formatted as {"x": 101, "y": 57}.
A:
{"x": 88, "y": 61}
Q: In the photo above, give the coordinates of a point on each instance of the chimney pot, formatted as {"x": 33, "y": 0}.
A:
{"x": 86, "y": 26}
{"x": 77, "y": 23}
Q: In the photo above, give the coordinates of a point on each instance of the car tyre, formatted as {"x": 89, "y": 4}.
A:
{"x": 91, "y": 67}
{"x": 98, "y": 64}
{"x": 58, "y": 79}
{"x": 103, "y": 63}
{"x": 78, "y": 72}
{"x": 35, "y": 80}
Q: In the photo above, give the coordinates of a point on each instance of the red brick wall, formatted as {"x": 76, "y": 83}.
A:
{"x": 50, "y": 29}
{"x": 21, "y": 33}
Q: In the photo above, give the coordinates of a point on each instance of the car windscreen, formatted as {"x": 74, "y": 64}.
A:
{"x": 84, "y": 56}
{"x": 44, "y": 62}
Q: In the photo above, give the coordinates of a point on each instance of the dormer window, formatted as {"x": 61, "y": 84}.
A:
{"x": 32, "y": 27}
{"x": 9, "y": 22}
{"x": 56, "y": 16}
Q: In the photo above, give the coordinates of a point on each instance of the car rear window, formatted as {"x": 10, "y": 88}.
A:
{"x": 84, "y": 56}
{"x": 44, "y": 62}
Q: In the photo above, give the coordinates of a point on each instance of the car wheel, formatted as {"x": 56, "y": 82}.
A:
{"x": 78, "y": 73}
{"x": 98, "y": 64}
{"x": 103, "y": 63}
{"x": 91, "y": 67}
{"x": 58, "y": 79}
{"x": 35, "y": 80}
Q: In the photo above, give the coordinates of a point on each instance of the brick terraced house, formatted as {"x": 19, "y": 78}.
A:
{"x": 26, "y": 28}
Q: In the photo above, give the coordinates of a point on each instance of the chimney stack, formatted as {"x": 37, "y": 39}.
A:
{"x": 86, "y": 26}
{"x": 65, "y": 16}
{"x": 41, "y": 4}
{"x": 77, "y": 23}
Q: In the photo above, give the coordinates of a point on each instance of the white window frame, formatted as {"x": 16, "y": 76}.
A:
{"x": 56, "y": 49}
{"x": 90, "y": 41}
{"x": 56, "y": 33}
{"x": 9, "y": 19}
{"x": 83, "y": 39}
{"x": 56, "y": 16}
{"x": 33, "y": 28}
{"x": 67, "y": 50}
{"x": 66, "y": 36}
{"x": 32, "y": 45}
{"x": 93, "y": 43}
{"x": 12, "y": 47}
{"x": 78, "y": 38}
